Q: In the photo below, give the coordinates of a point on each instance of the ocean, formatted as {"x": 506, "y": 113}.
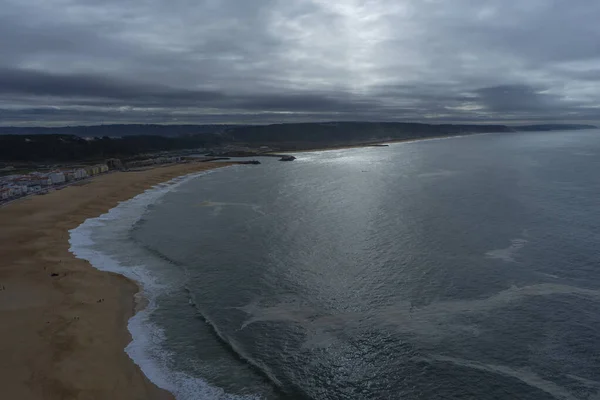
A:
{"x": 459, "y": 268}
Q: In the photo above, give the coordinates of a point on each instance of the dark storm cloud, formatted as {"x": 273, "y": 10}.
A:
{"x": 516, "y": 98}
{"x": 90, "y": 90}
{"x": 23, "y": 82}
{"x": 335, "y": 103}
{"x": 83, "y": 61}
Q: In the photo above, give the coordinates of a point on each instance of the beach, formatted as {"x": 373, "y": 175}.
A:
{"x": 377, "y": 143}
{"x": 64, "y": 323}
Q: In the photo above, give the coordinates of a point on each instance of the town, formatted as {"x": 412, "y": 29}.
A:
{"x": 18, "y": 185}
{"x": 21, "y": 185}
{"x": 19, "y": 181}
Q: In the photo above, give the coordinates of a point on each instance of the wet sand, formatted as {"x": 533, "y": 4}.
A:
{"x": 63, "y": 325}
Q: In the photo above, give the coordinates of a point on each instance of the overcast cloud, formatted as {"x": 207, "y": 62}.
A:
{"x": 259, "y": 61}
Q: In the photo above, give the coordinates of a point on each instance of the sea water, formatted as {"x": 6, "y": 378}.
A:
{"x": 458, "y": 268}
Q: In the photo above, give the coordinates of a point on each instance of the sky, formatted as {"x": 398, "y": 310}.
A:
{"x": 70, "y": 62}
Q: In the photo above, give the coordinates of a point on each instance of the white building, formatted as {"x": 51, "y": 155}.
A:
{"x": 69, "y": 175}
{"x": 23, "y": 182}
{"x": 40, "y": 179}
{"x": 57, "y": 177}
{"x": 14, "y": 191}
{"x": 75, "y": 174}
{"x": 80, "y": 173}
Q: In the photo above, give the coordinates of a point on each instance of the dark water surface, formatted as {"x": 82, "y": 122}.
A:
{"x": 465, "y": 268}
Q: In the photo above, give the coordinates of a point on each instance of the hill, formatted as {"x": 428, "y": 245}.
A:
{"x": 106, "y": 141}
{"x": 307, "y": 135}
{"x": 552, "y": 127}
{"x": 117, "y": 130}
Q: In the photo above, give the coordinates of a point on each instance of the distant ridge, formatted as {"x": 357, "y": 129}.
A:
{"x": 304, "y": 135}
{"x": 552, "y": 127}
{"x": 74, "y": 143}
{"x": 293, "y": 131}
{"x": 312, "y": 129}
{"x": 117, "y": 130}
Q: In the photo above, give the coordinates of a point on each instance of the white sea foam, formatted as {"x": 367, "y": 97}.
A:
{"x": 438, "y": 174}
{"x": 508, "y": 254}
{"x": 218, "y": 206}
{"x": 587, "y": 382}
{"x": 146, "y": 349}
{"x": 431, "y": 322}
{"x": 525, "y": 375}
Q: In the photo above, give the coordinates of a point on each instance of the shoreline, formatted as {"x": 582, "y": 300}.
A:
{"x": 68, "y": 331}
{"x": 383, "y": 144}
{"x": 67, "y": 327}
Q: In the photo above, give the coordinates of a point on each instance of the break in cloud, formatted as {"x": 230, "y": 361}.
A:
{"x": 257, "y": 61}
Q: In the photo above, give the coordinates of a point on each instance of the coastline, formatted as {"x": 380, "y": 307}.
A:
{"x": 65, "y": 322}
{"x": 382, "y": 144}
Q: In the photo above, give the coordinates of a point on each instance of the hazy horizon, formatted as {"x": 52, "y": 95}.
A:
{"x": 78, "y": 62}
{"x": 59, "y": 125}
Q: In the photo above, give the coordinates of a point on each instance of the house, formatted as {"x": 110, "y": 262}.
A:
{"x": 14, "y": 191}
{"x": 114, "y": 163}
{"x": 74, "y": 174}
{"x": 92, "y": 170}
{"x": 24, "y": 182}
{"x": 57, "y": 177}
{"x": 102, "y": 168}
{"x": 40, "y": 179}
{"x": 34, "y": 188}
{"x": 69, "y": 175}
{"x": 80, "y": 173}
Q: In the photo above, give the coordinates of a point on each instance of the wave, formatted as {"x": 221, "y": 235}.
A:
{"x": 146, "y": 349}
{"x": 233, "y": 346}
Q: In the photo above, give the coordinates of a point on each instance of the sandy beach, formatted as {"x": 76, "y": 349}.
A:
{"x": 379, "y": 143}
{"x": 64, "y": 323}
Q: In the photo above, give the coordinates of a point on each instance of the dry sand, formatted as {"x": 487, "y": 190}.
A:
{"x": 56, "y": 340}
